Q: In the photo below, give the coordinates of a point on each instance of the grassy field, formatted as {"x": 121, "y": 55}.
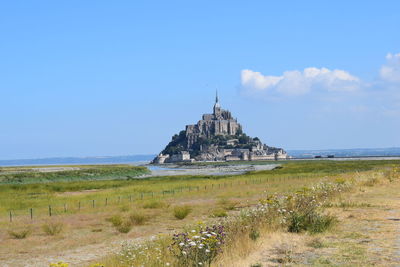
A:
{"x": 20, "y": 198}
{"x": 94, "y": 214}
{"x": 41, "y": 174}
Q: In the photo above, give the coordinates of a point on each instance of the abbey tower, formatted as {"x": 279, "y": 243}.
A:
{"x": 216, "y": 137}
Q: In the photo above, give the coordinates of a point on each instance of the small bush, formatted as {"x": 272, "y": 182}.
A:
{"x": 19, "y": 234}
{"x": 180, "y": 212}
{"x": 311, "y": 222}
{"x": 219, "y": 213}
{"x": 125, "y": 227}
{"x": 256, "y": 265}
{"x": 154, "y": 204}
{"x": 322, "y": 224}
{"x": 254, "y": 234}
{"x": 52, "y": 228}
{"x": 138, "y": 218}
{"x": 116, "y": 220}
{"x": 97, "y": 230}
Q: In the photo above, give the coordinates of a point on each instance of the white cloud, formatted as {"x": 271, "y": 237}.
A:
{"x": 300, "y": 82}
{"x": 257, "y": 80}
{"x": 390, "y": 72}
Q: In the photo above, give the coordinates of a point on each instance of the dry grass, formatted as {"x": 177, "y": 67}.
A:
{"x": 81, "y": 231}
{"x": 53, "y": 228}
{"x": 154, "y": 204}
{"x": 366, "y": 235}
{"x": 125, "y": 227}
{"x": 19, "y": 234}
{"x": 138, "y": 217}
{"x": 180, "y": 212}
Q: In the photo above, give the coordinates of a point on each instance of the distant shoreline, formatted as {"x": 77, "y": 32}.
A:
{"x": 359, "y": 153}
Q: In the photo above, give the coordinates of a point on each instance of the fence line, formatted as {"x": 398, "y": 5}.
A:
{"x": 141, "y": 195}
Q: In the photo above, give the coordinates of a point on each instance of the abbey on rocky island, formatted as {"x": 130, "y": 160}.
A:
{"x": 216, "y": 137}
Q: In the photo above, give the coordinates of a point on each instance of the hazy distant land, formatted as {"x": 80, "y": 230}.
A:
{"x": 356, "y": 152}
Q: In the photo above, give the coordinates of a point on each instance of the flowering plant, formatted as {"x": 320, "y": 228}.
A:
{"x": 198, "y": 247}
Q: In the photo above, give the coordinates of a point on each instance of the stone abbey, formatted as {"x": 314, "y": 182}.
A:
{"x": 216, "y": 137}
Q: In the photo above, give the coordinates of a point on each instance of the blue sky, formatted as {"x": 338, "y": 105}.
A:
{"x": 85, "y": 78}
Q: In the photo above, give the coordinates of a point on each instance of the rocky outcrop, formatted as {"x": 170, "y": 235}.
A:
{"x": 216, "y": 137}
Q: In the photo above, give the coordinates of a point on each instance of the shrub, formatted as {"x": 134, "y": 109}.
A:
{"x": 138, "y": 218}
{"x": 256, "y": 265}
{"x": 312, "y": 222}
{"x": 254, "y": 234}
{"x": 53, "y": 228}
{"x": 180, "y": 212}
{"x": 124, "y": 227}
{"x": 154, "y": 204}
{"x": 116, "y": 220}
{"x": 219, "y": 213}
{"x": 19, "y": 234}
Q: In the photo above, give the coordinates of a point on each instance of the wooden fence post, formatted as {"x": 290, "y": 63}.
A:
{"x": 10, "y": 216}
{"x": 49, "y": 210}
{"x": 31, "y": 211}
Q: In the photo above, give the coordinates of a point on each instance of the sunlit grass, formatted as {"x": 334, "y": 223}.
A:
{"x": 86, "y": 195}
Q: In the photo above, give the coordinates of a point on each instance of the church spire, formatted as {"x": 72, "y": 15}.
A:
{"x": 217, "y": 106}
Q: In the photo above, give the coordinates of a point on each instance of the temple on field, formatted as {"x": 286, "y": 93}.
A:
{"x": 216, "y": 137}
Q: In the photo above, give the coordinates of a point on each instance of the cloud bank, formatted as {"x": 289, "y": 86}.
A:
{"x": 297, "y": 82}
{"x": 300, "y": 82}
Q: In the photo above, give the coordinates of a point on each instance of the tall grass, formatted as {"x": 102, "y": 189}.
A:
{"x": 202, "y": 245}
{"x": 22, "y": 197}
{"x": 53, "y": 228}
{"x": 138, "y": 218}
{"x": 180, "y": 212}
